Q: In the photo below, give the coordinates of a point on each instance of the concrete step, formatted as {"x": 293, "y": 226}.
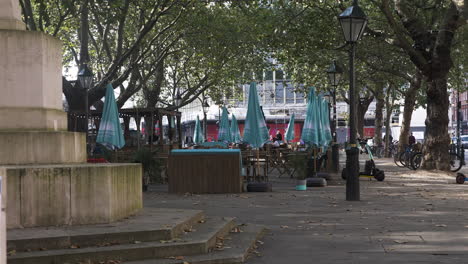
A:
{"x": 235, "y": 250}
{"x": 152, "y": 224}
{"x": 193, "y": 243}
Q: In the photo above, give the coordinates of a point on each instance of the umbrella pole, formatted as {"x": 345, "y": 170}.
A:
{"x": 315, "y": 162}
{"x": 258, "y": 164}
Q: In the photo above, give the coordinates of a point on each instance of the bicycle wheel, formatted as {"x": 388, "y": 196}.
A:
{"x": 416, "y": 160}
{"x": 404, "y": 160}
{"x": 396, "y": 159}
{"x": 455, "y": 162}
{"x": 379, "y": 152}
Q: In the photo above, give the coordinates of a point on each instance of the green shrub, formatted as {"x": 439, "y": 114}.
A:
{"x": 151, "y": 165}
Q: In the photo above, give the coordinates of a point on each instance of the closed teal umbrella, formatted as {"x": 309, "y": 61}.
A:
{"x": 235, "y": 133}
{"x": 198, "y": 134}
{"x": 320, "y": 126}
{"x": 311, "y": 132}
{"x": 326, "y": 123}
{"x": 255, "y": 130}
{"x": 110, "y": 132}
{"x": 224, "y": 131}
{"x": 290, "y": 130}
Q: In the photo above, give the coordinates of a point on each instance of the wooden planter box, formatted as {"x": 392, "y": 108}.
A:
{"x": 205, "y": 171}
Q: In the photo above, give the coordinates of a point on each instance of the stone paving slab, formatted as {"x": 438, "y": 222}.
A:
{"x": 150, "y": 223}
{"x": 411, "y": 217}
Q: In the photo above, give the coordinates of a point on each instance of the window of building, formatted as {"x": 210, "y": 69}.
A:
{"x": 341, "y": 122}
{"x": 369, "y": 122}
{"x": 279, "y": 75}
{"x": 279, "y": 92}
{"x": 269, "y": 75}
{"x": 289, "y": 93}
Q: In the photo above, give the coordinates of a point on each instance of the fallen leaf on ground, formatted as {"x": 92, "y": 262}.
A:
{"x": 400, "y": 241}
{"x": 284, "y": 226}
{"x": 441, "y": 225}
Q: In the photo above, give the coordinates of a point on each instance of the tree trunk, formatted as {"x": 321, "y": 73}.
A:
{"x": 76, "y": 106}
{"x": 126, "y": 120}
{"x": 379, "y": 120}
{"x": 362, "y": 107}
{"x": 410, "y": 101}
{"x": 388, "y": 117}
{"x": 360, "y": 122}
{"x": 437, "y": 141}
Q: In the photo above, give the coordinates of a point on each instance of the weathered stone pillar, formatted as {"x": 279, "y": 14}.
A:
{"x": 3, "y": 199}
{"x": 50, "y": 182}
{"x": 10, "y": 15}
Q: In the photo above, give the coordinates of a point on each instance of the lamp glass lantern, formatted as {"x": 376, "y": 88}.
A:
{"x": 85, "y": 77}
{"x": 328, "y": 97}
{"x": 206, "y": 107}
{"x": 178, "y": 99}
{"x": 335, "y": 72}
{"x": 353, "y": 21}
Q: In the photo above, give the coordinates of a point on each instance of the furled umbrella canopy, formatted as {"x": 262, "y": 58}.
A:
{"x": 224, "y": 131}
{"x": 235, "y": 133}
{"x": 327, "y": 138}
{"x": 290, "y": 130}
{"x": 110, "y": 132}
{"x": 311, "y": 131}
{"x": 198, "y": 134}
{"x": 320, "y": 127}
{"x": 255, "y": 130}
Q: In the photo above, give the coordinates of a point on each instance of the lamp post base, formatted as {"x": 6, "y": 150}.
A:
{"x": 352, "y": 181}
{"x": 335, "y": 158}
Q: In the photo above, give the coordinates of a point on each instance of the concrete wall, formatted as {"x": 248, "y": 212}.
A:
{"x": 42, "y": 147}
{"x": 72, "y": 194}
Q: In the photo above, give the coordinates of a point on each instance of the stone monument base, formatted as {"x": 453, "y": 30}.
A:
{"x": 72, "y": 194}
{"x": 42, "y": 147}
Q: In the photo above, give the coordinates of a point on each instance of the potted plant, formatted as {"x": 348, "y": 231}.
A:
{"x": 151, "y": 166}
{"x": 300, "y": 165}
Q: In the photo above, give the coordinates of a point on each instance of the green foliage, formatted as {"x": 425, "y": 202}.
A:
{"x": 299, "y": 162}
{"x": 151, "y": 165}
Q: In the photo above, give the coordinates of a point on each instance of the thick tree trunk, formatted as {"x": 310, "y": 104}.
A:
{"x": 379, "y": 120}
{"x": 360, "y": 122}
{"x": 388, "y": 117}
{"x": 437, "y": 141}
{"x": 75, "y": 97}
{"x": 362, "y": 107}
{"x": 410, "y": 101}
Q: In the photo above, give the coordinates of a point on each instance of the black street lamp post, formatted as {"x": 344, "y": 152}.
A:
{"x": 334, "y": 75}
{"x": 353, "y": 22}
{"x": 460, "y": 149}
{"x": 178, "y": 103}
{"x": 206, "y": 108}
{"x": 85, "y": 77}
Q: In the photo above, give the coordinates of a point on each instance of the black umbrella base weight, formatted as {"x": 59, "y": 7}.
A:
{"x": 259, "y": 187}
{"x": 316, "y": 182}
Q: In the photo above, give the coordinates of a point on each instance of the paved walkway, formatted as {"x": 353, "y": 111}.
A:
{"x": 411, "y": 217}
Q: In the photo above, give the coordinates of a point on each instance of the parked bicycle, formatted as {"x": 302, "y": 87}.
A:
{"x": 403, "y": 159}
{"x": 456, "y": 159}
{"x": 378, "y": 151}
